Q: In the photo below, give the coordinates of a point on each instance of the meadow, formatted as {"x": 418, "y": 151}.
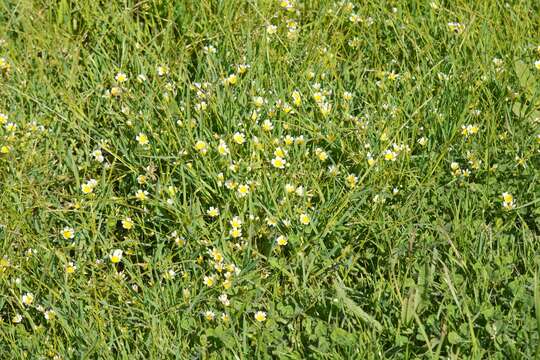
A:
{"x": 256, "y": 179}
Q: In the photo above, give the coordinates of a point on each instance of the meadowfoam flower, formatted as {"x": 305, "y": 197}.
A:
{"x": 230, "y": 184}
{"x": 17, "y": 318}
{"x": 258, "y": 101}
{"x": 243, "y": 190}
{"x": 288, "y": 140}
{"x": 232, "y": 79}
{"x": 121, "y": 77}
{"x": 224, "y": 299}
{"x": 390, "y": 155}
{"x": 201, "y": 147}
{"x": 297, "y": 98}
{"x": 370, "y": 159}
{"x": 10, "y": 127}
{"x": 216, "y": 255}
{"x": 497, "y": 62}
{"x": 178, "y": 240}
{"x": 5, "y": 66}
{"x": 280, "y": 152}
{"x": 212, "y": 212}
{"x": 142, "y": 139}
{"x": 351, "y": 180}
{"x": 68, "y": 233}
{"x": 278, "y": 162}
{"x": 209, "y": 49}
{"x": 141, "y": 195}
{"x": 222, "y": 148}
{"x": 209, "y": 281}
{"x": 141, "y": 179}
{"x": 304, "y": 219}
{"x": 347, "y": 96}
{"x": 242, "y": 68}
{"x": 235, "y": 232}
{"x": 98, "y": 155}
{"x": 162, "y": 70}
{"x": 89, "y": 186}
{"x": 70, "y": 268}
{"x": 239, "y": 138}
{"x": 281, "y": 240}
{"x": 456, "y": 170}
{"x": 49, "y": 314}
{"x": 267, "y": 125}
{"x": 286, "y": 4}
{"x": 270, "y": 221}
{"x": 116, "y": 256}
{"x": 209, "y": 315}
{"x": 318, "y": 97}
{"x": 321, "y": 154}
{"x": 260, "y": 316}
{"x": 116, "y": 91}
{"x": 355, "y": 18}
{"x": 201, "y": 106}
{"x": 271, "y": 29}
{"x": 236, "y": 222}
{"x": 169, "y": 274}
{"x": 127, "y": 223}
{"x": 289, "y": 188}
{"x": 28, "y": 299}
{"x": 287, "y": 109}
{"x": 467, "y": 130}
{"x": 508, "y": 201}
{"x": 325, "y": 108}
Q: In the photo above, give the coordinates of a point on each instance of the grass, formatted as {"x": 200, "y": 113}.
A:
{"x": 383, "y": 159}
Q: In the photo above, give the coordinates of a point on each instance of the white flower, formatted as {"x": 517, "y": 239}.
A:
{"x": 121, "y": 77}
{"x": 508, "y": 201}
{"x": 281, "y": 240}
{"x": 212, "y": 211}
{"x": 271, "y": 29}
{"x": 116, "y": 256}
{"x": 28, "y": 299}
{"x": 162, "y": 70}
{"x": 278, "y": 162}
{"x": 224, "y": 299}
{"x": 239, "y": 138}
{"x": 49, "y": 314}
{"x": 260, "y": 316}
{"x": 17, "y": 319}
{"x": 98, "y": 155}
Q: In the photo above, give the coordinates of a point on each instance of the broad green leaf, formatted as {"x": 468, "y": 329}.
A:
{"x": 519, "y": 109}
{"x": 342, "y": 337}
{"x": 525, "y": 77}
{"x": 454, "y": 338}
